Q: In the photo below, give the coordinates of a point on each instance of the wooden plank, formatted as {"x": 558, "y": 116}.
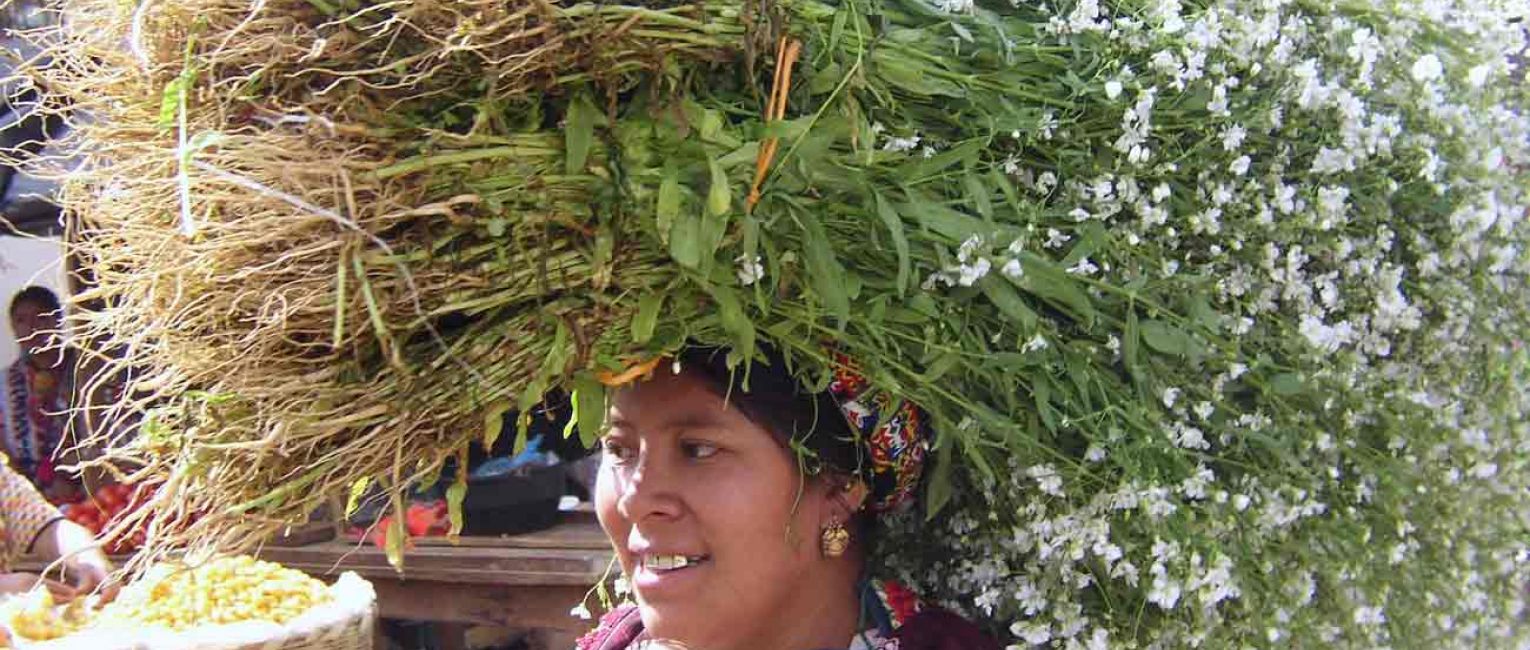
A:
{"x": 476, "y": 565}
{"x": 567, "y": 536}
{"x": 493, "y": 605}
{"x": 310, "y": 533}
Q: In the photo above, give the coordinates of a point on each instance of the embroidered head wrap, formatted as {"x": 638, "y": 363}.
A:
{"x": 896, "y": 433}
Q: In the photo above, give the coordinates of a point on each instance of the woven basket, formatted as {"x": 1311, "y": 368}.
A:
{"x": 354, "y": 632}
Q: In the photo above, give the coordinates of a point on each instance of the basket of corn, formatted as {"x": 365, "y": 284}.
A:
{"x": 224, "y": 603}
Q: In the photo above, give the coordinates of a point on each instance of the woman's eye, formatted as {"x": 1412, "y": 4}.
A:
{"x": 698, "y": 450}
{"x": 615, "y": 450}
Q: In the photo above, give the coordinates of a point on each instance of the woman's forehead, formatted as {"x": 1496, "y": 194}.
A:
{"x": 672, "y": 402}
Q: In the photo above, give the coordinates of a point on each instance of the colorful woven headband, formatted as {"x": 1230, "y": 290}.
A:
{"x": 896, "y": 432}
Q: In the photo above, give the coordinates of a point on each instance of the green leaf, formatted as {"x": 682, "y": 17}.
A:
{"x": 579, "y": 133}
{"x": 938, "y": 492}
{"x": 1042, "y": 393}
{"x": 668, "y": 206}
{"x": 647, "y": 316}
{"x": 685, "y": 240}
{"x": 1055, "y": 286}
{"x": 394, "y": 535}
{"x": 455, "y": 494}
{"x": 736, "y": 323}
{"x": 718, "y": 194}
{"x": 939, "y": 367}
{"x": 590, "y": 401}
{"x": 1011, "y": 196}
{"x": 965, "y": 154}
{"x": 911, "y": 77}
{"x": 823, "y": 268}
{"x": 955, "y": 225}
{"x": 494, "y": 423}
{"x": 979, "y": 194}
{"x": 170, "y": 102}
{"x": 1287, "y": 384}
{"x": 1167, "y": 338}
{"x": 1093, "y": 236}
{"x": 1003, "y": 295}
{"x": 497, "y": 226}
{"x": 358, "y": 490}
{"x": 894, "y": 225}
{"x": 1129, "y": 345}
{"x": 711, "y": 125}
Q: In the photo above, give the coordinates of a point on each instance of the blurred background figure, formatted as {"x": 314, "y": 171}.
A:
{"x": 36, "y": 393}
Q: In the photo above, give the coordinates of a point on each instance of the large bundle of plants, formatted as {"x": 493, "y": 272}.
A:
{"x": 1217, "y": 307}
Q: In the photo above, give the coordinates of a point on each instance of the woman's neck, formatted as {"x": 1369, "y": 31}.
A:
{"x": 827, "y": 619}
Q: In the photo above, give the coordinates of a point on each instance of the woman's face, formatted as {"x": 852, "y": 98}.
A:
{"x": 709, "y": 515}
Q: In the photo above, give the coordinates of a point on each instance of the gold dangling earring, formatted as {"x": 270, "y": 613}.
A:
{"x": 835, "y": 540}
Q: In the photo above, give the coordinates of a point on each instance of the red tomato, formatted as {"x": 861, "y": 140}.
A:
{"x": 90, "y": 521}
{"x": 418, "y": 520}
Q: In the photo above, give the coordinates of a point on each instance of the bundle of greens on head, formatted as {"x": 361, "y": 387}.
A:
{"x": 1216, "y": 307}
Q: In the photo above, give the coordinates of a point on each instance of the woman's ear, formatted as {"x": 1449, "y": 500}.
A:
{"x": 847, "y": 496}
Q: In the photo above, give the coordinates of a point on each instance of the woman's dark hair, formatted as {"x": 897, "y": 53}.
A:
{"x": 809, "y": 423}
{"x": 770, "y": 395}
{"x": 40, "y": 296}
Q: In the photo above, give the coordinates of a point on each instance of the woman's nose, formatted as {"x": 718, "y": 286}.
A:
{"x": 648, "y": 490}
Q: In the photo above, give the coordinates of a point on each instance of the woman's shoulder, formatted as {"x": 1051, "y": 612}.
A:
{"x": 617, "y": 630}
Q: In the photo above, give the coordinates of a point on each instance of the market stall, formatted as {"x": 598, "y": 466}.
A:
{"x": 530, "y": 581}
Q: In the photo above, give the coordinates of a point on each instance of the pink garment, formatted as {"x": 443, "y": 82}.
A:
{"x": 930, "y": 629}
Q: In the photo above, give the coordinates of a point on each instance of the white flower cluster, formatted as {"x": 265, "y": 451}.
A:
{"x": 1350, "y": 183}
{"x": 974, "y": 262}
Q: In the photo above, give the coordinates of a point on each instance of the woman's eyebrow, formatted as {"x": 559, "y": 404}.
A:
{"x": 678, "y": 422}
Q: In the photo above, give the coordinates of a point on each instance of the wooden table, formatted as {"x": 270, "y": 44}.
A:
{"x": 521, "y": 581}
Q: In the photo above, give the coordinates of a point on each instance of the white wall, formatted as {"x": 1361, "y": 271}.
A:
{"x": 26, "y": 261}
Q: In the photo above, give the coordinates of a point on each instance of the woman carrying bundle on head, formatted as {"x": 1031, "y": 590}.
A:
{"x": 741, "y": 507}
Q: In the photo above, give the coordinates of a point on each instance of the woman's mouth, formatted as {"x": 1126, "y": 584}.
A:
{"x": 667, "y": 563}
{"x": 660, "y": 578}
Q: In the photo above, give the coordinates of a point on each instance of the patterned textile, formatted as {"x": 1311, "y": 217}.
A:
{"x": 23, "y": 514}
{"x": 902, "y": 623}
{"x": 31, "y": 404}
{"x": 896, "y": 432}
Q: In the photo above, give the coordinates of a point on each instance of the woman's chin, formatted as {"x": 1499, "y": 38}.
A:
{"x": 678, "y": 624}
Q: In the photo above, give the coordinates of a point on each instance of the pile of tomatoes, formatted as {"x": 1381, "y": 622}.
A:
{"x": 427, "y": 519}
{"x": 98, "y": 512}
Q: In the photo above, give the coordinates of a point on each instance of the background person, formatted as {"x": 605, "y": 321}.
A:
{"x": 36, "y": 393}
{"x": 29, "y": 525}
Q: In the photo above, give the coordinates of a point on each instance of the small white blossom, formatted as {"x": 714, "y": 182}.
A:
{"x": 750, "y": 270}
{"x": 901, "y": 144}
{"x": 1048, "y": 125}
{"x": 954, "y": 6}
{"x": 1047, "y": 479}
{"x": 1233, "y": 136}
{"x": 1427, "y": 68}
{"x": 1083, "y": 267}
{"x": 1094, "y": 454}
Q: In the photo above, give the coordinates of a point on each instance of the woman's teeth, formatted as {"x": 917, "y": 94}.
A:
{"x": 671, "y": 562}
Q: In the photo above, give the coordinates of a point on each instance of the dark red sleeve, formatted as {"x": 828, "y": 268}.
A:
{"x": 938, "y": 629}
{"x": 617, "y": 630}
